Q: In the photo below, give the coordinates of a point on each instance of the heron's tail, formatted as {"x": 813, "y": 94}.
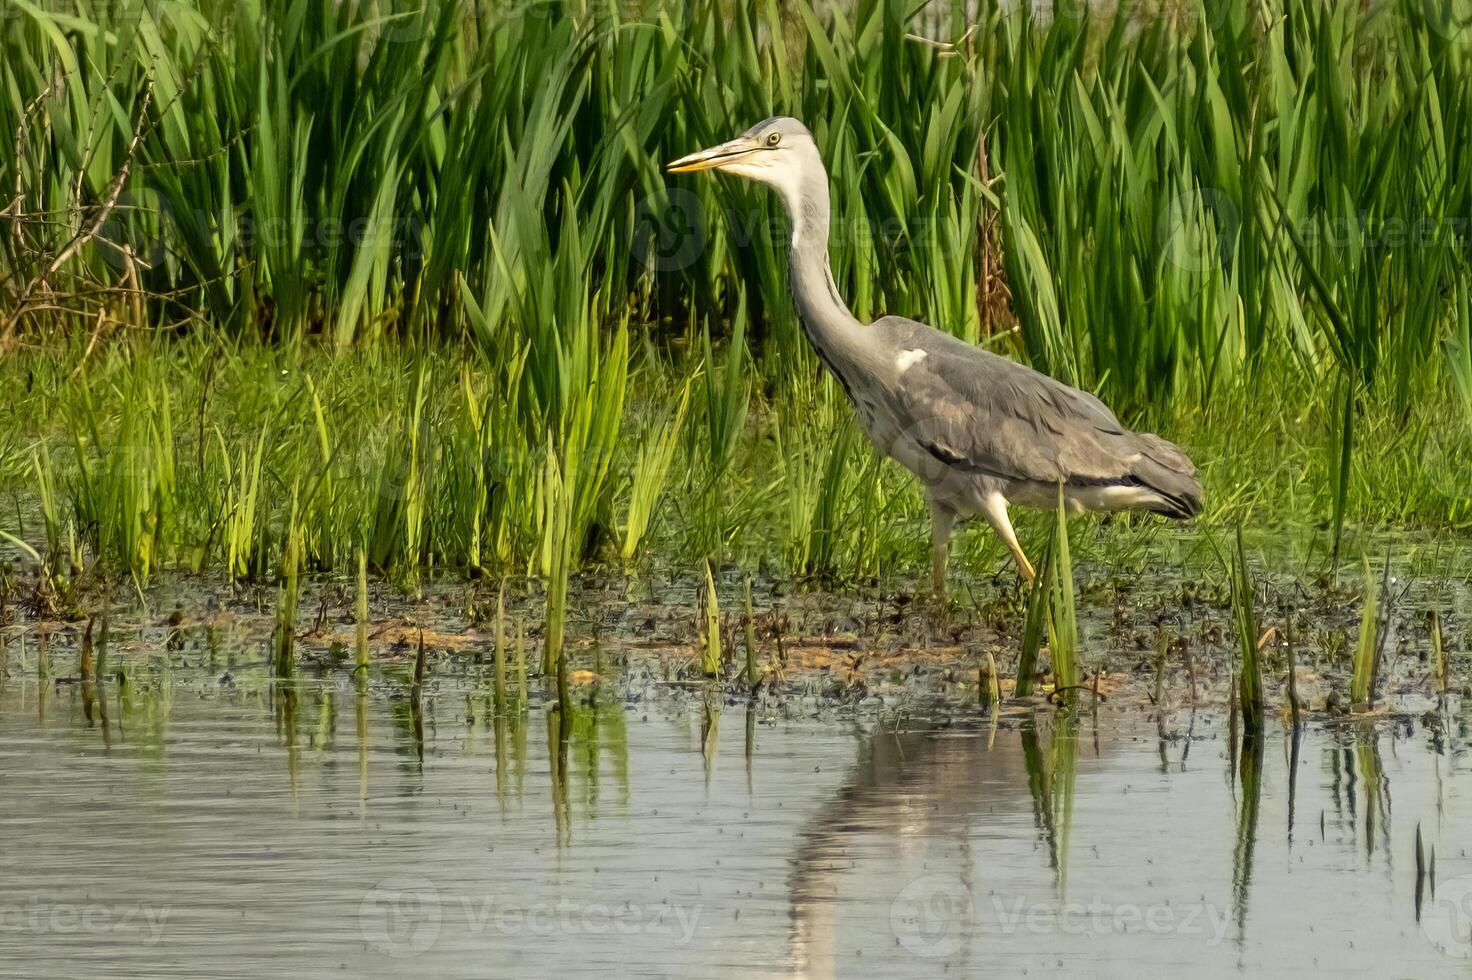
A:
{"x": 1166, "y": 471}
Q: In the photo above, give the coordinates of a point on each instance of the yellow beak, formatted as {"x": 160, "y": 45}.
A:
{"x": 715, "y": 157}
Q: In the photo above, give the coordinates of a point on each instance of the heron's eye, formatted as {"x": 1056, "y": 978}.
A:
{"x": 773, "y": 139}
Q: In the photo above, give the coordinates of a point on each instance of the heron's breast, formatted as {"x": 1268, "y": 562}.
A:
{"x": 877, "y": 421}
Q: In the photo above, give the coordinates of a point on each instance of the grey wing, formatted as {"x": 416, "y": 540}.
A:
{"x": 976, "y": 410}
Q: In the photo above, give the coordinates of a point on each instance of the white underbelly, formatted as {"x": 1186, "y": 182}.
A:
{"x": 1077, "y": 499}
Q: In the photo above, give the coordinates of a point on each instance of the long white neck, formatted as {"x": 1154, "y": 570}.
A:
{"x": 830, "y": 326}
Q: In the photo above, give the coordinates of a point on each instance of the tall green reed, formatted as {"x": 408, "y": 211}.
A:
{"x": 1366, "y": 650}
{"x": 1191, "y": 211}
{"x": 1249, "y": 668}
{"x": 1062, "y": 617}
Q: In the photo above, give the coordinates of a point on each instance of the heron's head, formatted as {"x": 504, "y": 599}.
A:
{"x": 779, "y": 152}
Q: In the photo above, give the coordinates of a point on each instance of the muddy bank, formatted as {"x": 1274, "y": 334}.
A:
{"x": 1145, "y": 644}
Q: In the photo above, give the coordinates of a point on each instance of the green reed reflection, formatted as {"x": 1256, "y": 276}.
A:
{"x": 1051, "y": 778}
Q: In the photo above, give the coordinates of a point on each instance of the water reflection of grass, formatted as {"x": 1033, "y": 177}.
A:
{"x": 1249, "y": 763}
{"x": 1359, "y": 788}
{"x": 1051, "y": 775}
{"x": 710, "y": 728}
{"x": 593, "y": 730}
{"x": 557, "y": 774}
{"x": 1376, "y": 789}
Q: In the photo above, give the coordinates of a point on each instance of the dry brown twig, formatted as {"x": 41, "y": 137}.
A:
{"x": 89, "y": 232}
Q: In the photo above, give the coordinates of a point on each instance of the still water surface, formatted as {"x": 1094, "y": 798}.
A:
{"x": 184, "y": 827}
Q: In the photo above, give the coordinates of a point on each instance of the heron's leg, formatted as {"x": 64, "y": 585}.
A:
{"x": 995, "y": 513}
{"x": 942, "y": 519}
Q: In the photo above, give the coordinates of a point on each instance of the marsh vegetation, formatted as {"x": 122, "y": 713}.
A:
{"x": 304, "y": 291}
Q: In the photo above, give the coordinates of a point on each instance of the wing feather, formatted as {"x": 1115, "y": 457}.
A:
{"x": 1005, "y": 419}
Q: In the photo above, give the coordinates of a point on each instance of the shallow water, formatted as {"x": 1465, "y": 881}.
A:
{"x": 184, "y": 826}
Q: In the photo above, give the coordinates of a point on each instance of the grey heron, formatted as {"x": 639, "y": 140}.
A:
{"x": 980, "y": 431}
